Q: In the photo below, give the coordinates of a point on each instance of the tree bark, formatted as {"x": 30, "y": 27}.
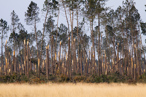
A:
{"x": 2, "y": 62}
{"x": 99, "y": 63}
{"x": 47, "y": 62}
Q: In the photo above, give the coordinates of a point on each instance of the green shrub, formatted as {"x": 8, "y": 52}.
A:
{"x": 79, "y": 78}
{"x": 64, "y": 78}
{"x": 34, "y": 80}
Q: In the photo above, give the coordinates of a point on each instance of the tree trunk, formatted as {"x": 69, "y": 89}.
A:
{"x": 52, "y": 39}
{"x": 78, "y": 39}
{"x": 27, "y": 58}
{"x": 6, "y": 59}
{"x": 66, "y": 15}
{"x": 60, "y": 67}
{"x": 99, "y": 63}
{"x": 35, "y": 29}
{"x": 57, "y": 30}
{"x": 43, "y": 34}
{"x": 47, "y": 62}
{"x": 2, "y": 62}
{"x": 69, "y": 59}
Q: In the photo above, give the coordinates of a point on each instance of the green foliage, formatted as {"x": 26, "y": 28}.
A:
{"x": 12, "y": 78}
{"x": 34, "y": 79}
{"x": 64, "y": 78}
{"x": 92, "y": 8}
{"x": 142, "y": 78}
{"x": 3, "y": 26}
{"x": 24, "y": 78}
{"x": 51, "y": 6}
{"x": 32, "y": 14}
{"x": 52, "y": 77}
{"x": 143, "y": 28}
{"x": 14, "y": 19}
{"x": 79, "y": 78}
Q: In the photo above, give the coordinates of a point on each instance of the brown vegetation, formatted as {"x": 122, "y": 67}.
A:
{"x": 72, "y": 90}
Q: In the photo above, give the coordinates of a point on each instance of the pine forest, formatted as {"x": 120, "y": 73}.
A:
{"x": 93, "y": 43}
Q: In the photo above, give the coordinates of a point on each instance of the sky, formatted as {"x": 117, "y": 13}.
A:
{"x": 20, "y": 7}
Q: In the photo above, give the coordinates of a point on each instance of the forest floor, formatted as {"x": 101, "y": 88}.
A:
{"x": 73, "y": 90}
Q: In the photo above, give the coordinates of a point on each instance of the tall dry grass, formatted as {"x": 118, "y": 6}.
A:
{"x": 72, "y": 90}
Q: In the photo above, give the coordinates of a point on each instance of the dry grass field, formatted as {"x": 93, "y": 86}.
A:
{"x": 72, "y": 90}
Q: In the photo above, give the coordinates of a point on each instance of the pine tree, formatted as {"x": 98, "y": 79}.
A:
{"x": 32, "y": 18}
{"x": 14, "y": 22}
{"x": 3, "y": 33}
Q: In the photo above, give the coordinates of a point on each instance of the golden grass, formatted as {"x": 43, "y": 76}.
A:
{"x": 72, "y": 90}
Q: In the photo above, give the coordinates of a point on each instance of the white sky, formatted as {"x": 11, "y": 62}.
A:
{"x": 20, "y": 7}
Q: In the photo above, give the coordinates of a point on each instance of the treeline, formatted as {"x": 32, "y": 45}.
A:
{"x": 114, "y": 45}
